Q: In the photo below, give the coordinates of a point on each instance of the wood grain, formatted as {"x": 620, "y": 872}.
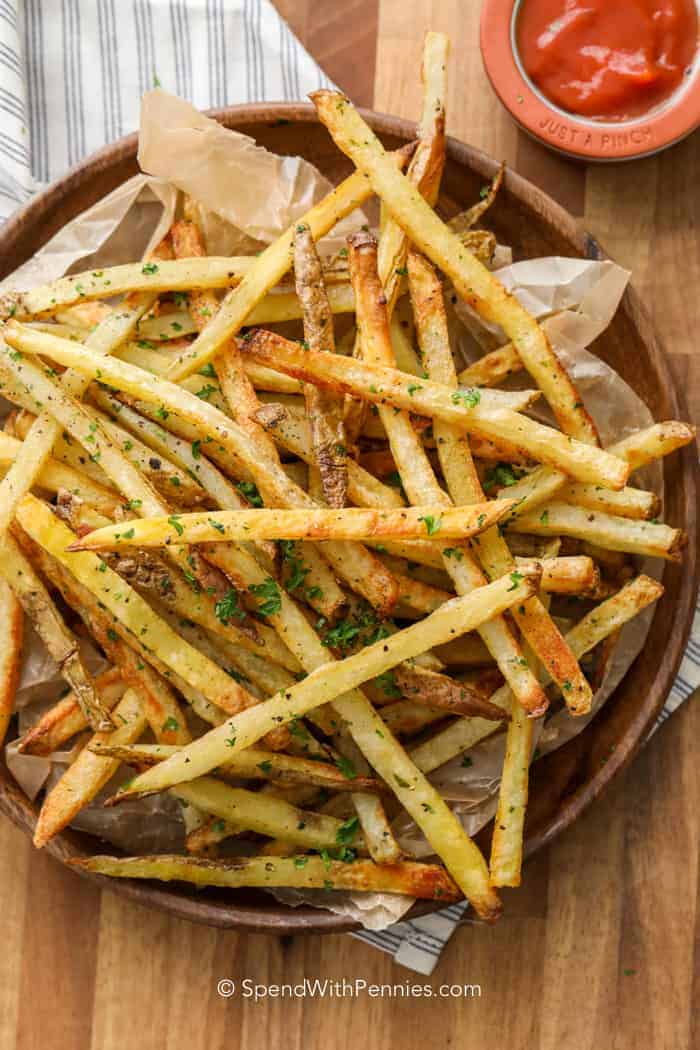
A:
{"x": 598, "y": 946}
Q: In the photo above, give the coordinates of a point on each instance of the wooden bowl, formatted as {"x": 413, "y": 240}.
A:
{"x": 565, "y": 782}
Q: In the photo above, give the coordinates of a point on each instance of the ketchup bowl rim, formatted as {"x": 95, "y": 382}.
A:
{"x": 575, "y": 135}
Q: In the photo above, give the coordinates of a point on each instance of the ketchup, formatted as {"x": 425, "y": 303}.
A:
{"x": 607, "y": 59}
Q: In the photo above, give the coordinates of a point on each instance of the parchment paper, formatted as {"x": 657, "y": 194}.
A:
{"x": 247, "y": 197}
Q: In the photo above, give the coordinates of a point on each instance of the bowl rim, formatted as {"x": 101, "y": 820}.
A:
{"x": 568, "y": 134}
{"x": 285, "y": 920}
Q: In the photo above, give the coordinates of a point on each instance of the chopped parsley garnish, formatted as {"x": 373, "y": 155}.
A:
{"x": 172, "y": 520}
{"x": 469, "y": 398}
{"x": 149, "y": 268}
{"x": 346, "y": 767}
{"x": 170, "y": 725}
{"x": 516, "y": 578}
{"x": 502, "y": 475}
{"x": 250, "y": 491}
{"x": 347, "y": 831}
{"x": 432, "y": 525}
{"x": 295, "y": 564}
{"x": 269, "y": 592}
{"x": 229, "y": 607}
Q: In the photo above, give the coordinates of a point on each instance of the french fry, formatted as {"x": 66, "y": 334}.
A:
{"x": 627, "y": 503}
{"x": 359, "y": 567}
{"x": 509, "y": 822}
{"x": 293, "y": 433}
{"x": 37, "y": 603}
{"x": 604, "y": 530}
{"x": 439, "y": 691}
{"x": 417, "y": 474}
{"x": 602, "y": 621}
{"x": 89, "y": 773}
{"x": 464, "y": 485}
{"x": 133, "y": 614}
{"x": 474, "y": 283}
{"x": 472, "y": 410}
{"x": 424, "y": 881}
{"x": 37, "y": 446}
{"x": 353, "y": 523}
{"x": 325, "y": 413}
{"x": 11, "y": 635}
{"x": 332, "y": 680}
{"x": 56, "y": 476}
{"x": 65, "y": 719}
{"x": 148, "y": 277}
{"x": 427, "y": 163}
{"x": 269, "y": 268}
{"x": 259, "y": 812}
{"x": 253, "y": 763}
{"x": 576, "y": 574}
{"x": 655, "y": 441}
{"x": 404, "y": 717}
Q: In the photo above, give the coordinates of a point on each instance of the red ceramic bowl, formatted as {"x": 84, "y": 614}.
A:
{"x": 567, "y": 133}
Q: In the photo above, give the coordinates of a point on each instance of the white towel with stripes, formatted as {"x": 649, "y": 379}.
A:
{"x": 72, "y": 73}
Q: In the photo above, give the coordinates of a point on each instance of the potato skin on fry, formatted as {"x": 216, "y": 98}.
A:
{"x": 325, "y": 412}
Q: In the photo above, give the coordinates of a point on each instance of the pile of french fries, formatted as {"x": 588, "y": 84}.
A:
{"x": 319, "y": 567}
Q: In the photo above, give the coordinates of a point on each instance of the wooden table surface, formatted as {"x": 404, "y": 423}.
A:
{"x": 597, "y": 948}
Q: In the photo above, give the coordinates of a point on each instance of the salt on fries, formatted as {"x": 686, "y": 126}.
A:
{"x": 269, "y": 535}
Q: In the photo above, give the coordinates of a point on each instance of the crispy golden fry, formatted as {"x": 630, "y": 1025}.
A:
{"x": 65, "y": 719}
{"x": 492, "y": 368}
{"x": 37, "y": 446}
{"x": 464, "y": 485}
{"x": 293, "y": 433}
{"x": 474, "y": 283}
{"x": 656, "y": 441}
{"x": 404, "y": 717}
{"x": 381, "y": 749}
{"x": 56, "y": 476}
{"x": 627, "y": 503}
{"x": 602, "y": 621}
{"x": 416, "y": 471}
{"x": 426, "y": 166}
{"x": 362, "y": 570}
{"x": 604, "y": 530}
{"x": 417, "y": 598}
{"x": 424, "y": 881}
{"x": 129, "y": 610}
{"x": 543, "y": 484}
{"x": 613, "y": 613}
{"x": 507, "y": 840}
{"x": 260, "y": 812}
{"x": 253, "y": 764}
{"x": 332, "y": 680}
{"x": 89, "y": 773}
{"x": 472, "y": 410}
{"x": 179, "y": 275}
{"x": 349, "y": 523}
{"x": 37, "y": 603}
{"x": 576, "y": 574}
{"x": 465, "y": 220}
{"x": 11, "y": 634}
{"x": 324, "y": 411}
{"x": 268, "y": 268}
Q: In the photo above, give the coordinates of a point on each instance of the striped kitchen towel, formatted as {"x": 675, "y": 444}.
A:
{"x": 72, "y": 73}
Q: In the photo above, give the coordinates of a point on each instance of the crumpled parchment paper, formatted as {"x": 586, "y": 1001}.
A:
{"x": 247, "y": 197}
